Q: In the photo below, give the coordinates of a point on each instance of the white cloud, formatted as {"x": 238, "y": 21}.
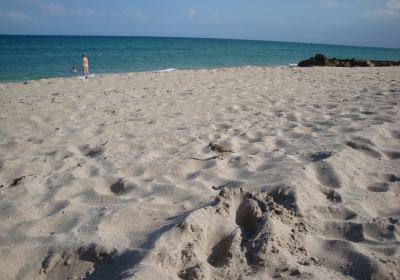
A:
{"x": 335, "y": 4}
{"x": 192, "y": 12}
{"x": 21, "y": 2}
{"x": 390, "y": 9}
{"x": 56, "y": 9}
{"x": 136, "y": 14}
{"x": 393, "y": 5}
{"x": 53, "y": 9}
{"x": 10, "y": 15}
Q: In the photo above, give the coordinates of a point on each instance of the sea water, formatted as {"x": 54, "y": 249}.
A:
{"x": 33, "y": 57}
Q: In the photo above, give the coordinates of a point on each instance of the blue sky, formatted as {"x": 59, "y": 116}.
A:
{"x": 349, "y": 22}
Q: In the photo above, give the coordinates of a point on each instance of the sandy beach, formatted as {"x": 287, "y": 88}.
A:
{"x": 239, "y": 173}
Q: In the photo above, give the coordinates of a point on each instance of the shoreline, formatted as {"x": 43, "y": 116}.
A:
{"x": 77, "y": 77}
{"x": 172, "y": 70}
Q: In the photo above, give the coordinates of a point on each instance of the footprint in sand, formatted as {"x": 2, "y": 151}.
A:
{"x": 390, "y": 178}
{"x": 120, "y": 188}
{"x": 334, "y": 213}
{"x": 317, "y": 156}
{"x": 93, "y": 152}
{"x": 364, "y": 148}
{"x": 358, "y": 265}
{"x": 395, "y": 134}
{"x": 378, "y": 187}
{"x": 326, "y": 175}
{"x": 393, "y": 155}
{"x": 345, "y": 230}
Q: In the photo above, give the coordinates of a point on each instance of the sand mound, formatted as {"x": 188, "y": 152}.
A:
{"x": 260, "y": 235}
{"x": 232, "y": 238}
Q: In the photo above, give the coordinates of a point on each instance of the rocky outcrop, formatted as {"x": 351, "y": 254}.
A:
{"x": 322, "y": 60}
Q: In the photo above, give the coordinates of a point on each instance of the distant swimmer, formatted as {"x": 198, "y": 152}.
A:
{"x": 85, "y": 65}
{"x": 74, "y": 69}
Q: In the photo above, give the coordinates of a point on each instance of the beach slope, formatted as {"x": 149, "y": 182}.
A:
{"x": 241, "y": 173}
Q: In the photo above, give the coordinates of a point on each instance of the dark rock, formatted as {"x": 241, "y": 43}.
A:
{"x": 317, "y": 60}
{"x": 344, "y": 64}
{"x": 322, "y": 60}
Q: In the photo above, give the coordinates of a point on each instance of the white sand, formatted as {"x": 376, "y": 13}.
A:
{"x": 116, "y": 177}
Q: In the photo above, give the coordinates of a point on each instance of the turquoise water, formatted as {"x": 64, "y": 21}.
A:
{"x": 32, "y": 57}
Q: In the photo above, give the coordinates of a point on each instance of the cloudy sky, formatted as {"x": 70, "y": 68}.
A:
{"x": 349, "y": 22}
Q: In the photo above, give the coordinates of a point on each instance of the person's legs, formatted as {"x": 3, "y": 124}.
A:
{"x": 86, "y": 71}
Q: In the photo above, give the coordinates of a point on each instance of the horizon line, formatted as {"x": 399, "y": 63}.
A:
{"x": 207, "y": 38}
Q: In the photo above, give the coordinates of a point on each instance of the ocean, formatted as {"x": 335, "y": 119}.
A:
{"x": 34, "y": 57}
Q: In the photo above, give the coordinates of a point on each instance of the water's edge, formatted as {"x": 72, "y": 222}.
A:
{"x": 166, "y": 71}
{"x": 100, "y": 75}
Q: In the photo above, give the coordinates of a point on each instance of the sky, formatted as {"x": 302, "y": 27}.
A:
{"x": 343, "y": 22}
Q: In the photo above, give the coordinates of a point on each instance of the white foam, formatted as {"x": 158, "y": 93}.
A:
{"x": 83, "y": 77}
{"x": 292, "y": 64}
{"x": 167, "y": 70}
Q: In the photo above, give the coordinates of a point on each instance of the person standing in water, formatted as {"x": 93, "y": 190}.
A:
{"x": 85, "y": 65}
